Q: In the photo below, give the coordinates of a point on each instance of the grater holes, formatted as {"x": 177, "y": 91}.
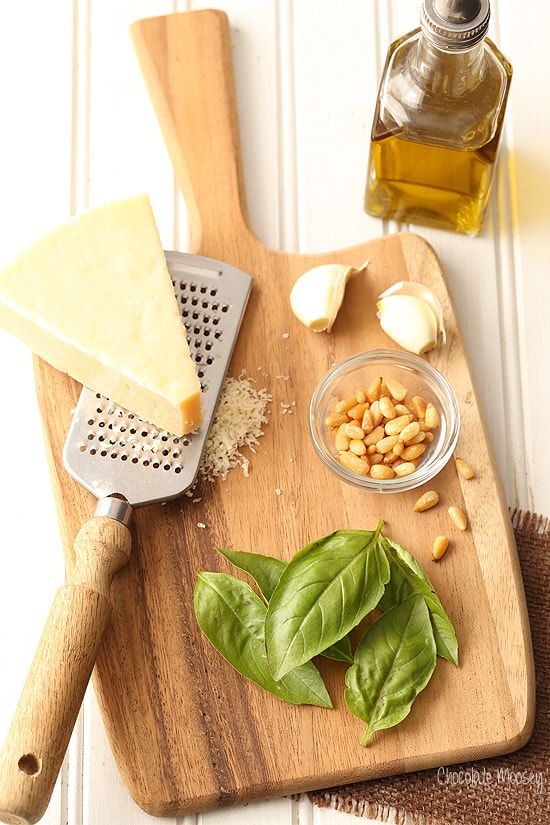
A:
{"x": 111, "y": 438}
{"x": 190, "y": 286}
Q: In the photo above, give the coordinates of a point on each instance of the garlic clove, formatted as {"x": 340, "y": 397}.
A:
{"x": 410, "y": 321}
{"x": 419, "y": 290}
{"x": 317, "y": 295}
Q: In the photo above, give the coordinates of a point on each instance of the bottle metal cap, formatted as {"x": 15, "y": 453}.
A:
{"x": 455, "y": 24}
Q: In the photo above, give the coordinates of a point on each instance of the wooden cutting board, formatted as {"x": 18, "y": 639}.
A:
{"x": 187, "y": 732}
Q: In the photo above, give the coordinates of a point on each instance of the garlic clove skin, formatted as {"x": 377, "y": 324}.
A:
{"x": 317, "y": 295}
{"x": 419, "y": 290}
{"x": 410, "y": 321}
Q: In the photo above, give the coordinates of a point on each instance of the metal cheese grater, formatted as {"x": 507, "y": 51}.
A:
{"x": 112, "y": 452}
{"x": 125, "y": 462}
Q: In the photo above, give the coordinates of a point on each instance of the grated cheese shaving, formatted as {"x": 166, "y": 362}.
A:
{"x": 237, "y": 423}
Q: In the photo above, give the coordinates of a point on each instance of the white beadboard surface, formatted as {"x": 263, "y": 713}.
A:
{"x": 78, "y": 129}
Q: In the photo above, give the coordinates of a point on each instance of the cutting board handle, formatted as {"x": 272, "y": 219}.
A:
{"x": 45, "y": 716}
{"x": 187, "y": 65}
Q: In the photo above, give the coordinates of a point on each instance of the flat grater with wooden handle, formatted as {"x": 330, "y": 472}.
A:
{"x": 126, "y": 463}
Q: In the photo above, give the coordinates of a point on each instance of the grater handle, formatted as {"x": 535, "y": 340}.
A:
{"x": 50, "y": 701}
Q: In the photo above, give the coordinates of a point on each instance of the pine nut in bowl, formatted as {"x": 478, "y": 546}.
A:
{"x": 384, "y": 421}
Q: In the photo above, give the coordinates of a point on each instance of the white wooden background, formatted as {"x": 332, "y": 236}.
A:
{"x": 77, "y": 129}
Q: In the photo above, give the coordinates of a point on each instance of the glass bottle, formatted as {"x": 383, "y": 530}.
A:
{"x": 438, "y": 120}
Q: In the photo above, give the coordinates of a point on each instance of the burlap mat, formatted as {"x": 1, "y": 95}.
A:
{"x": 508, "y": 790}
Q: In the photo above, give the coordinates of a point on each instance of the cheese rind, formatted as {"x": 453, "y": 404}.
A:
{"x": 94, "y": 298}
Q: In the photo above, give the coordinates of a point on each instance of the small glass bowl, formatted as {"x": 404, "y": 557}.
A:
{"x": 420, "y": 378}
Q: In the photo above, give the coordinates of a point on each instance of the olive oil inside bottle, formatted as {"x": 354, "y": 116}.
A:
{"x": 436, "y": 186}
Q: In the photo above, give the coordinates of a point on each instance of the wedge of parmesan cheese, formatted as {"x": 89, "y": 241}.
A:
{"x": 94, "y": 298}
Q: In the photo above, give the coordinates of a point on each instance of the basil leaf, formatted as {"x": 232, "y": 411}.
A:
{"x": 327, "y": 588}
{"x": 340, "y": 651}
{"x": 406, "y": 578}
{"x": 265, "y": 570}
{"x": 232, "y": 617}
{"x": 394, "y": 661}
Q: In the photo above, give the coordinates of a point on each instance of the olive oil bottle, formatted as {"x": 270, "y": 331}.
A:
{"x": 438, "y": 120}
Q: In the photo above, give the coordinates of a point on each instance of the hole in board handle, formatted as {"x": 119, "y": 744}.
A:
{"x": 30, "y": 764}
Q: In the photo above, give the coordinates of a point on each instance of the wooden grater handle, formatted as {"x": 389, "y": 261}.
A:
{"x": 186, "y": 62}
{"x": 50, "y": 701}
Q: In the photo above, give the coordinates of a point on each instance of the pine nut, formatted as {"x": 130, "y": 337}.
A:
{"x": 354, "y": 464}
{"x": 396, "y": 388}
{"x": 399, "y": 448}
{"x": 397, "y": 425}
{"x": 367, "y": 424}
{"x": 357, "y": 446}
{"x": 464, "y": 469}
{"x": 376, "y": 412}
{"x": 386, "y": 407}
{"x": 358, "y": 411}
{"x": 374, "y": 437}
{"x": 426, "y": 501}
{"x": 405, "y": 469}
{"x": 375, "y": 458}
{"x": 360, "y": 395}
{"x": 402, "y": 409}
{"x": 373, "y": 390}
{"x": 386, "y": 444}
{"x": 439, "y": 547}
{"x": 381, "y": 471}
{"x": 458, "y": 517}
{"x": 391, "y": 456}
{"x": 342, "y": 442}
{"x": 336, "y": 419}
{"x": 431, "y": 418}
{"x": 419, "y": 406}
{"x": 346, "y": 404}
{"x": 353, "y": 430}
{"x": 409, "y": 431}
{"x": 418, "y": 438}
{"x": 414, "y": 451}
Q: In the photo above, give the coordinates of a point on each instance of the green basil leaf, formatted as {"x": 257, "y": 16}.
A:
{"x": 232, "y": 617}
{"x": 327, "y": 588}
{"x": 394, "y": 661}
{"x": 340, "y": 651}
{"x": 265, "y": 570}
{"x": 408, "y": 577}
